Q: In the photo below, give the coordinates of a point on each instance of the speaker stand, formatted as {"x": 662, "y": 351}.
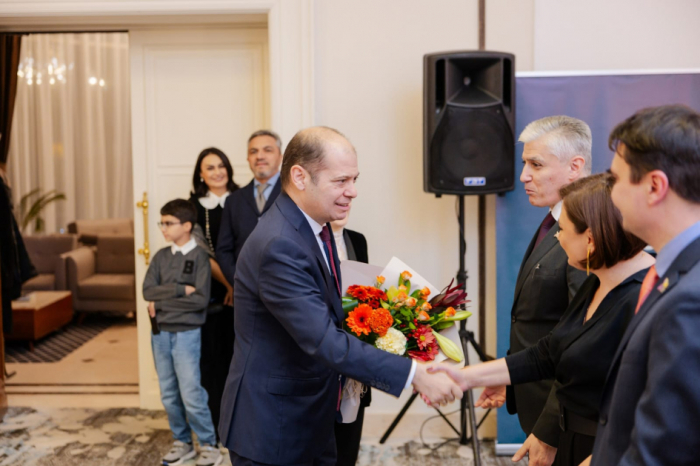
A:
{"x": 466, "y": 337}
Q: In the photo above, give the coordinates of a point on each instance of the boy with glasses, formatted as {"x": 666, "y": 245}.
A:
{"x": 177, "y": 288}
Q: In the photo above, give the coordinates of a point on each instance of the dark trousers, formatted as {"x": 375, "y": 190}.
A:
{"x": 347, "y": 439}
{"x": 327, "y": 458}
{"x": 217, "y": 351}
{"x": 573, "y": 448}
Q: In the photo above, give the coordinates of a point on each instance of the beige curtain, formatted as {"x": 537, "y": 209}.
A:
{"x": 72, "y": 127}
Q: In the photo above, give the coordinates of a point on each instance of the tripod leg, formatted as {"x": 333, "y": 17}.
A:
{"x": 468, "y": 403}
{"x": 398, "y": 418}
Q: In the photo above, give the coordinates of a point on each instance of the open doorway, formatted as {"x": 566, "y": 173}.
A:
{"x": 70, "y": 169}
{"x": 72, "y": 137}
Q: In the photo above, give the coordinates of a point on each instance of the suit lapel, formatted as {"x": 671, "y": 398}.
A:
{"x": 535, "y": 254}
{"x": 292, "y": 212}
{"x": 684, "y": 262}
{"x": 249, "y": 196}
{"x": 273, "y": 195}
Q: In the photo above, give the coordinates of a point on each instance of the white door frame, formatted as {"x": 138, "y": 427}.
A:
{"x": 291, "y": 68}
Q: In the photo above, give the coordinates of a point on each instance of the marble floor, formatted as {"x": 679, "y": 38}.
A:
{"x": 84, "y": 410}
{"x": 130, "y": 436}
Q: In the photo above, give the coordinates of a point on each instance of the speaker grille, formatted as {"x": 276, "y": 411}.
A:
{"x": 472, "y": 143}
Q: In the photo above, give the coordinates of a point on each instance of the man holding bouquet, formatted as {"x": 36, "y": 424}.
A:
{"x": 283, "y": 388}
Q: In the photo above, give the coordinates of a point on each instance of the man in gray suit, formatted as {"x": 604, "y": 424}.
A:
{"x": 557, "y": 152}
{"x": 650, "y": 409}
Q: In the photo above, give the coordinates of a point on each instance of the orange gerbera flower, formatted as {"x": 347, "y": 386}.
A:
{"x": 358, "y": 320}
{"x": 381, "y": 321}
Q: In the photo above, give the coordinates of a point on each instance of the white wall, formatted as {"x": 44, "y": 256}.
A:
{"x": 369, "y": 85}
{"x": 616, "y": 34}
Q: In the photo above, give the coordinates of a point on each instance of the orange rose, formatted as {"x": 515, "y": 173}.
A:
{"x": 422, "y": 315}
{"x": 450, "y": 312}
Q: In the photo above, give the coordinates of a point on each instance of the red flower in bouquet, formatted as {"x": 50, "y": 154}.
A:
{"x": 424, "y": 336}
{"x": 449, "y": 297}
{"x": 358, "y": 320}
{"x": 381, "y": 321}
{"x": 427, "y": 344}
{"x": 358, "y": 292}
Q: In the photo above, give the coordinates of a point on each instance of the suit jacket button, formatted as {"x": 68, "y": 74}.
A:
{"x": 512, "y": 320}
{"x": 603, "y": 421}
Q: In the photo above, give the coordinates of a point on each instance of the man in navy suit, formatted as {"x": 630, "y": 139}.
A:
{"x": 282, "y": 393}
{"x": 245, "y": 206}
{"x": 650, "y": 409}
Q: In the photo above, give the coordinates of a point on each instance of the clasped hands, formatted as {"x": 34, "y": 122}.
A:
{"x": 443, "y": 391}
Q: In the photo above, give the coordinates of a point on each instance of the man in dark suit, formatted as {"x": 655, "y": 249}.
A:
{"x": 282, "y": 393}
{"x": 557, "y": 151}
{"x": 650, "y": 409}
{"x": 245, "y": 206}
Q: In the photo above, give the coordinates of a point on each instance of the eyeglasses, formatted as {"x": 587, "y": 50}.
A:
{"x": 168, "y": 224}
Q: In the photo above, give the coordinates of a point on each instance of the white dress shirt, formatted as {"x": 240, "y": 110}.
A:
{"x": 185, "y": 248}
{"x": 556, "y": 210}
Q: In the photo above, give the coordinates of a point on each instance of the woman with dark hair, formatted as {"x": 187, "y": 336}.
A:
{"x": 578, "y": 352}
{"x": 212, "y": 183}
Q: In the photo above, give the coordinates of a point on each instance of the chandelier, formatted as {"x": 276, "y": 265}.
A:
{"x": 35, "y": 73}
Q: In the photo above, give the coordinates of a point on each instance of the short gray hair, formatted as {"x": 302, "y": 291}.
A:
{"x": 266, "y": 132}
{"x": 566, "y": 137}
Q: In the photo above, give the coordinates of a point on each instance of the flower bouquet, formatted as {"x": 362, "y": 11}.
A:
{"x": 408, "y": 319}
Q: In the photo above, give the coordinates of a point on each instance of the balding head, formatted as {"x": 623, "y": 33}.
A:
{"x": 319, "y": 170}
{"x": 308, "y": 148}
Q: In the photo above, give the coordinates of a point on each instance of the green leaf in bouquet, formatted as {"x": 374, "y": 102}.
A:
{"x": 385, "y": 305}
{"x": 407, "y": 284}
{"x": 442, "y": 325}
{"x": 411, "y": 326}
{"x": 349, "y": 304}
{"x": 406, "y": 313}
{"x": 416, "y": 294}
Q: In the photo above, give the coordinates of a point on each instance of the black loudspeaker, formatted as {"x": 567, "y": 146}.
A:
{"x": 469, "y": 123}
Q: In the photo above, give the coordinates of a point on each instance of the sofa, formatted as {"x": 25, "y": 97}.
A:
{"x": 88, "y": 229}
{"x": 47, "y": 253}
{"x": 102, "y": 278}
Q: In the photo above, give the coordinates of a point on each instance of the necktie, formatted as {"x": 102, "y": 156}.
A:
{"x": 647, "y": 285}
{"x": 260, "y": 199}
{"x": 546, "y": 225}
{"x": 326, "y": 238}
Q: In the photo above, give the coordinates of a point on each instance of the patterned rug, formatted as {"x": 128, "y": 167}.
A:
{"x": 129, "y": 436}
{"x": 60, "y": 344}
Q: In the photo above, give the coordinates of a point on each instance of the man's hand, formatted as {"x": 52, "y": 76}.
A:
{"x": 539, "y": 452}
{"x": 438, "y": 388}
{"x": 151, "y": 309}
{"x": 228, "y": 299}
{"x": 586, "y": 462}
{"x": 189, "y": 290}
{"x": 492, "y": 397}
{"x": 455, "y": 373}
